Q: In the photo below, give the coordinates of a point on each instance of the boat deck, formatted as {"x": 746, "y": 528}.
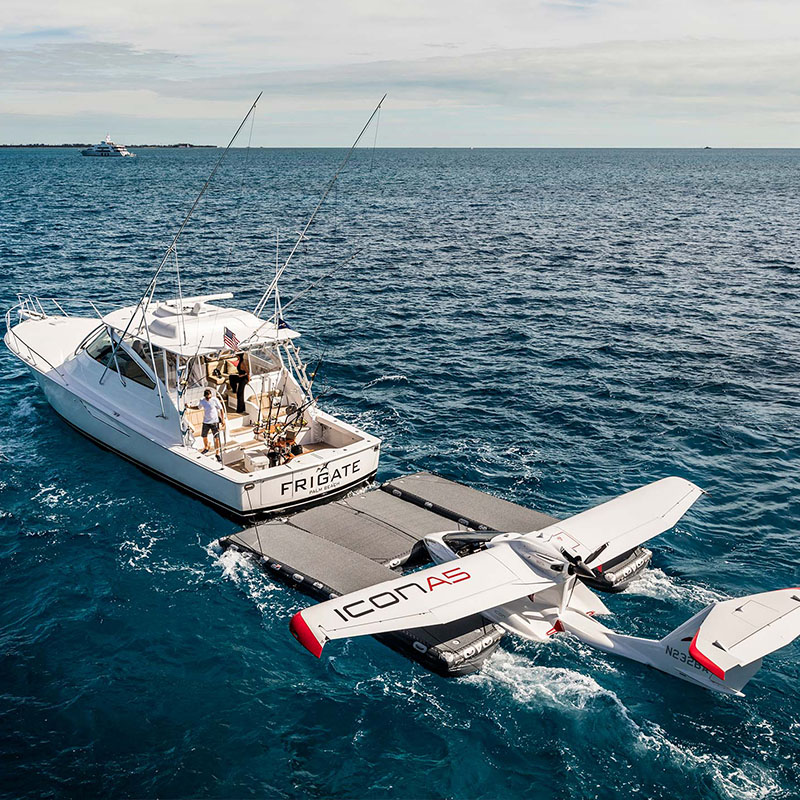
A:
{"x": 239, "y": 436}
{"x": 239, "y": 463}
{"x": 366, "y": 539}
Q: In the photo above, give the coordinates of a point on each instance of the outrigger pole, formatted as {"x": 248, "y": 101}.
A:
{"x": 274, "y": 283}
{"x": 145, "y": 300}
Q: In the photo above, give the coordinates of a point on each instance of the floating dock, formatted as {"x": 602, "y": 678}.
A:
{"x": 359, "y": 541}
{"x": 362, "y": 540}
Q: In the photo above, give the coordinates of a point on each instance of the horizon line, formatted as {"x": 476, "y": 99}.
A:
{"x": 187, "y": 146}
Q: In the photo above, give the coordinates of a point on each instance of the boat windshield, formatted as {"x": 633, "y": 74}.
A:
{"x": 263, "y": 359}
{"x": 123, "y": 362}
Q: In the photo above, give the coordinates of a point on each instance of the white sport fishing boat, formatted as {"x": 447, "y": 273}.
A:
{"x": 131, "y": 380}
{"x": 108, "y": 149}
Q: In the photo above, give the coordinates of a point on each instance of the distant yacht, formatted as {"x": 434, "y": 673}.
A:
{"x": 107, "y": 149}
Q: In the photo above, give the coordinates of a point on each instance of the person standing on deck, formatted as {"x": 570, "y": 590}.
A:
{"x": 213, "y": 419}
{"x": 239, "y": 381}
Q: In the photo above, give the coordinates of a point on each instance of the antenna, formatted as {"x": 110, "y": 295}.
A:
{"x": 273, "y": 284}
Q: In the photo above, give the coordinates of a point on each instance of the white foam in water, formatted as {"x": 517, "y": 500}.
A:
{"x": 241, "y": 569}
{"x": 530, "y": 684}
{"x": 387, "y": 379}
{"x": 24, "y": 409}
{"x": 50, "y": 495}
{"x": 409, "y": 689}
{"x": 572, "y": 691}
{"x": 656, "y": 583}
{"x": 745, "y": 780}
{"x": 139, "y": 552}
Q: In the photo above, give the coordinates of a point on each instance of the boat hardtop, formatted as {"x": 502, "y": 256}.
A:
{"x": 195, "y": 326}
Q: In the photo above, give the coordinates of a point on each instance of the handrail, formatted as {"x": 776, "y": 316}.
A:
{"x": 35, "y": 304}
{"x": 28, "y": 304}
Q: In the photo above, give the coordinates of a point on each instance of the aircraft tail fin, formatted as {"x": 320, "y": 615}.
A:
{"x": 729, "y": 639}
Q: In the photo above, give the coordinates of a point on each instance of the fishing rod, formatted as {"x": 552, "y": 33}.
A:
{"x": 304, "y": 407}
{"x": 274, "y": 282}
{"x": 152, "y": 285}
{"x": 310, "y": 381}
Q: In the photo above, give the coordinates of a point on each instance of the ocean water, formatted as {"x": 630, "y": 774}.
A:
{"x": 552, "y": 326}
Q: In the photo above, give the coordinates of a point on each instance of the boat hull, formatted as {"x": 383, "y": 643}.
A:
{"x": 280, "y": 489}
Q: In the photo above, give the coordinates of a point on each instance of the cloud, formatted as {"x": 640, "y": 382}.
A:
{"x": 556, "y": 64}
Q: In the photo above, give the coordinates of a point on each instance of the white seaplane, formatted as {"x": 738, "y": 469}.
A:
{"x": 529, "y": 584}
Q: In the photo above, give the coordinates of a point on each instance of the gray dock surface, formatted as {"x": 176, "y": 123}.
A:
{"x": 472, "y": 507}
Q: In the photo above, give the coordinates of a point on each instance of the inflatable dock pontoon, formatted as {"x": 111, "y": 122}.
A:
{"x": 370, "y": 538}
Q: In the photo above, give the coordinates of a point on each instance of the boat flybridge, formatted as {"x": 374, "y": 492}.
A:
{"x": 132, "y": 380}
{"x": 141, "y": 399}
{"x": 107, "y": 149}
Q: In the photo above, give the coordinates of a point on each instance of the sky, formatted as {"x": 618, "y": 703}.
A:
{"x": 495, "y": 73}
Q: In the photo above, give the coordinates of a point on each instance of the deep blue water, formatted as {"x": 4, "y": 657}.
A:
{"x": 555, "y": 327}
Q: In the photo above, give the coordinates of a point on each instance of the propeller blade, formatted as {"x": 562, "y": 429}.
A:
{"x": 592, "y": 556}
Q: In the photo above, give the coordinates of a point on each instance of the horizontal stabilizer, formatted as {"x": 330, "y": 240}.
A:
{"x": 613, "y": 528}
{"x": 740, "y": 631}
{"x": 431, "y": 596}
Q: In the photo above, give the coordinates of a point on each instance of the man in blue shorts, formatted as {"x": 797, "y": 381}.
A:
{"x": 213, "y": 420}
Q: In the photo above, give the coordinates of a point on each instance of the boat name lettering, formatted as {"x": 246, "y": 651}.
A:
{"x": 316, "y": 483}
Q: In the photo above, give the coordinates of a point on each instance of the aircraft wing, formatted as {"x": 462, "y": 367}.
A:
{"x": 737, "y": 632}
{"x": 431, "y": 596}
{"x": 624, "y": 522}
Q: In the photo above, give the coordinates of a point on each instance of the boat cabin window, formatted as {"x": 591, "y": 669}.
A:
{"x": 155, "y": 356}
{"x": 122, "y": 361}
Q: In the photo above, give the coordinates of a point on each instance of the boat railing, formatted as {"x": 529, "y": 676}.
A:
{"x": 35, "y": 306}
{"x": 27, "y": 308}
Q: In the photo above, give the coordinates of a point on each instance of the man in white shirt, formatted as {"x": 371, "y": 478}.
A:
{"x": 213, "y": 420}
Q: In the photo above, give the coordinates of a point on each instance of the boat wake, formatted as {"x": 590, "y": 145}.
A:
{"x": 576, "y": 693}
{"x": 654, "y": 582}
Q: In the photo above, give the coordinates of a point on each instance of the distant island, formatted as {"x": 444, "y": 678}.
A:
{"x": 137, "y": 146}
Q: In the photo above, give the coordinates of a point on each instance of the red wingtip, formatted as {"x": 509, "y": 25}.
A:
{"x": 704, "y": 660}
{"x": 300, "y": 630}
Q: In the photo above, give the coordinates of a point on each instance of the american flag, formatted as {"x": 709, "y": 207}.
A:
{"x": 229, "y": 339}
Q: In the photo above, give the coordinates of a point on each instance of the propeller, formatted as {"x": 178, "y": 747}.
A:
{"x": 578, "y": 565}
